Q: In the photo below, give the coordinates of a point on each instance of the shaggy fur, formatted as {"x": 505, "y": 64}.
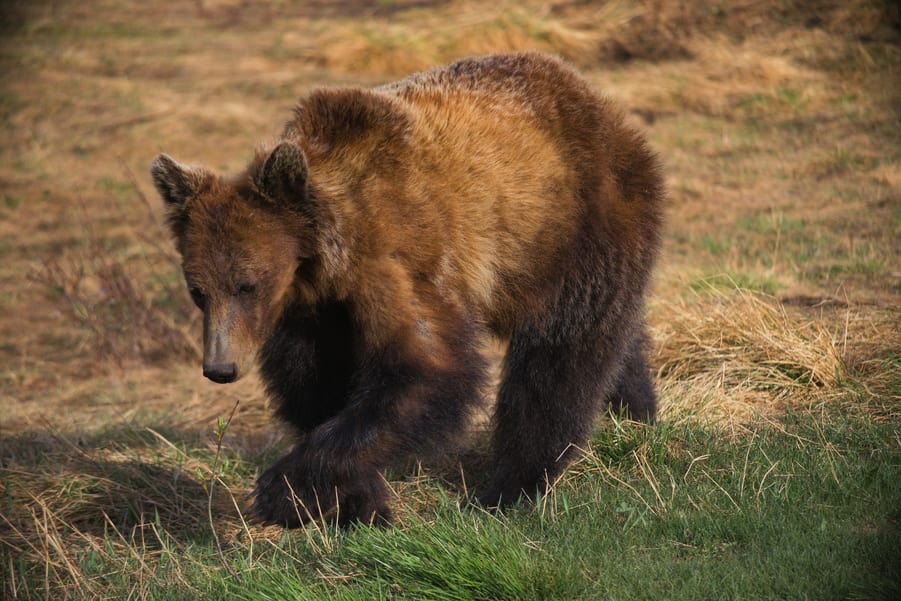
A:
{"x": 364, "y": 257}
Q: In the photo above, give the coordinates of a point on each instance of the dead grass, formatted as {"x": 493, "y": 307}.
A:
{"x": 777, "y": 123}
{"x": 123, "y": 507}
{"x": 129, "y": 315}
{"x": 733, "y": 354}
{"x": 401, "y": 46}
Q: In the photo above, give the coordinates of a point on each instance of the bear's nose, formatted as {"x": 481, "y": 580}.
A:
{"x": 221, "y": 373}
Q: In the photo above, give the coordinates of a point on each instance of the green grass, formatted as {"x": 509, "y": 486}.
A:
{"x": 802, "y": 508}
{"x": 734, "y": 280}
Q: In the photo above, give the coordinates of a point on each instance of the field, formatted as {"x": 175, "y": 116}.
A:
{"x": 775, "y": 469}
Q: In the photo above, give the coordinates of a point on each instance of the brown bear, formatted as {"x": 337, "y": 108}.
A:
{"x": 364, "y": 257}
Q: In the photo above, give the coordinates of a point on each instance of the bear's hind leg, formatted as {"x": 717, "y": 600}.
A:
{"x": 549, "y": 397}
{"x": 634, "y": 396}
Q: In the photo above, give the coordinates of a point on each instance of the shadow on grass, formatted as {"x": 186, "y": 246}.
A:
{"x": 121, "y": 481}
{"x": 127, "y": 478}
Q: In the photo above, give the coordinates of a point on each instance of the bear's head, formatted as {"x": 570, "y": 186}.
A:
{"x": 249, "y": 247}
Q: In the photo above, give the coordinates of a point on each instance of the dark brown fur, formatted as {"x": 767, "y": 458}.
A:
{"x": 364, "y": 257}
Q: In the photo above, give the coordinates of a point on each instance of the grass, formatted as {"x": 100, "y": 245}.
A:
{"x": 805, "y": 506}
{"x": 774, "y": 470}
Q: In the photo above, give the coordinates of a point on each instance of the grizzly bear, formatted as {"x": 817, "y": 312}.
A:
{"x": 364, "y": 257}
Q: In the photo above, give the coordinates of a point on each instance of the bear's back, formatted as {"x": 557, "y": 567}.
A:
{"x": 491, "y": 157}
{"x": 481, "y": 174}
{"x": 529, "y": 79}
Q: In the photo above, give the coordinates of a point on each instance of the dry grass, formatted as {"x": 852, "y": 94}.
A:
{"x": 778, "y": 289}
{"x": 131, "y": 311}
{"x": 126, "y": 508}
{"x": 731, "y": 355}
{"x": 399, "y": 46}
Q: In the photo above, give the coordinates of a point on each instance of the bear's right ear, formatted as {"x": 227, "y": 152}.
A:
{"x": 283, "y": 177}
{"x": 176, "y": 183}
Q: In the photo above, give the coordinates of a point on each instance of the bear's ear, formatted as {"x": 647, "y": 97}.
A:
{"x": 283, "y": 177}
{"x": 176, "y": 183}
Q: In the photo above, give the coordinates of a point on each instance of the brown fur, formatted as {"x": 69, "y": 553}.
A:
{"x": 391, "y": 230}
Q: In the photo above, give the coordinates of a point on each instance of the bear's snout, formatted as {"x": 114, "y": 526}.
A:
{"x": 221, "y": 373}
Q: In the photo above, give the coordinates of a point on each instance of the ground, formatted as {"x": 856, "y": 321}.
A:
{"x": 778, "y": 296}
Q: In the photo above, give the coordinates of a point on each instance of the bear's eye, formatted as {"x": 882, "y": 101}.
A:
{"x": 246, "y": 289}
{"x": 198, "y": 297}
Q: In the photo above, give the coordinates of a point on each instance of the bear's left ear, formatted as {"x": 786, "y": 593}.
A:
{"x": 176, "y": 183}
{"x": 283, "y": 177}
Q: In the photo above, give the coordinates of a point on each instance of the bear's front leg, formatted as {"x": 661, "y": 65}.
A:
{"x": 412, "y": 389}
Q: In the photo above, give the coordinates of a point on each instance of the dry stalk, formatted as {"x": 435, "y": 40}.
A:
{"x": 220, "y": 434}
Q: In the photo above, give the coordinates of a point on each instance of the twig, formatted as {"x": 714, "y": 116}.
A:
{"x": 133, "y": 180}
{"x": 241, "y": 517}
{"x": 220, "y": 434}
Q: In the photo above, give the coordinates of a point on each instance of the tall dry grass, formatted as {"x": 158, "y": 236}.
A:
{"x": 732, "y": 354}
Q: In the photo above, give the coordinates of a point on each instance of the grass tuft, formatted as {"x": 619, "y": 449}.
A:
{"x": 730, "y": 353}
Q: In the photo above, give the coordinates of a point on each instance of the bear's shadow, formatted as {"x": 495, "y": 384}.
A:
{"x": 123, "y": 480}
{"x": 126, "y": 480}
